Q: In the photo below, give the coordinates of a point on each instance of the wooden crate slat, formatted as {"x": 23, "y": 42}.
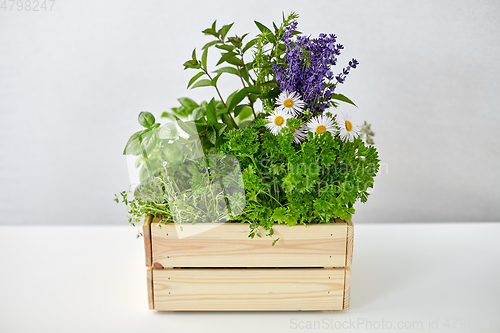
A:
{"x": 146, "y": 233}
{"x": 228, "y": 245}
{"x": 149, "y": 281}
{"x": 347, "y": 288}
{"x": 249, "y": 289}
{"x": 240, "y": 231}
{"x": 350, "y": 243}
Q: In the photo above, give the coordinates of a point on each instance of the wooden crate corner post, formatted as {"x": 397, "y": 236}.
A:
{"x": 146, "y": 232}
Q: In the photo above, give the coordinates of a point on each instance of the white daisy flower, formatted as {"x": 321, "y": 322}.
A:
{"x": 321, "y": 124}
{"x": 277, "y": 120}
{"x": 290, "y": 102}
{"x": 299, "y": 135}
{"x": 348, "y": 130}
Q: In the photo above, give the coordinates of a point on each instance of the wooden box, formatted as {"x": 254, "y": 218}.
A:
{"x": 222, "y": 269}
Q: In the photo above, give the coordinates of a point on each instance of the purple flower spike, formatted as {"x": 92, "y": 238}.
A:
{"x": 353, "y": 63}
{"x": 307, "y": 68}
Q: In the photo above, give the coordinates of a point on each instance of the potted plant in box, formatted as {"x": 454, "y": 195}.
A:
{"x": 274, "y": 154}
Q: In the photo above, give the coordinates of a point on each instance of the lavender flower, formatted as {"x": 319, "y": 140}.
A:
{"x": 307, "y": 68}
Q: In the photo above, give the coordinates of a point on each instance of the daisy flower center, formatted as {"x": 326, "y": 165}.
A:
{"x": 288, "y": 103}
{"x": 321, "y": 129}
{"x": 279, "y": 120}
{"x": 348, "y": 125}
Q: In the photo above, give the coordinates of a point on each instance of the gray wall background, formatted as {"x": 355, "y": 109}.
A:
{"x": 73, "y": 80}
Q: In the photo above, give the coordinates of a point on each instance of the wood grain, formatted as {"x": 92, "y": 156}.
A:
{"x": 149, "y": 281}
{"x": 268, "y": 289}
{"x": 350, "y": 243}
{"x": 146, "y": 233}
{"x": 347, "y": 288}
{"x": 228, "y": 245}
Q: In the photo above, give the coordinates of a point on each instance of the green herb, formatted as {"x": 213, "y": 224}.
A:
{"x": 223, "y": 159}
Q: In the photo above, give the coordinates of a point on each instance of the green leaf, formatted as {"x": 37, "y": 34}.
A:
{"x": 211, "y": 112}
{"x": 192, "y": 64}
{"x": 253, "y": 97}
{"x": 202, "y": 83}
{"x": 244, "y": 74}
{"x": 245, "y": 123}
{"x": 215, "y": 79}
{"x": 252, "y": 90}
{"x": 237, "y": 98}
{"x": 265, "y": 31}
{"x": 181, "y": 111}
{"x": 230, "y": 70}
{"x": 207, "y": 45}
{"x": 189, "y": 128}
{"x": 220, "y": 127}
{"x": 210, "y": 31}
{"x": 230, "y": 97}
{"x": 194, "y": 55}
{"x": 228, "y": 121}
{"x": 133, "y": 146}
{"x": 272, "y": 93}
{"x": 199, "y": 112}
{"x": 168, "y": 131}
{"x": 148, "y": 141}
{"x": 231, "y": 58}
{"x": 188, "y": 103}
{"x": 262, "y": 27}
{"x": 235, "y": 61}
{"x": 194, "y": 78}
{"x": 290, "y": 220}
{"x": 239, "y": 108}
{"x": 225, "y": 47}
{"x": 212, "y": 137}
{"x": 279, "y": 214}
{"x": 204, "y": 59}
{"x": 144, "y": 174}
{"x": 271, "y": 83}
{"x": 236, "y": 41}
{"x": 250, "y": 44}
{"x": 224, "y": 30}
{"x": 240, "y": 95}
{"x": 343, "y": 98}
{"x": 146, "y": 119}
{"x": 221, "y": 111}
{"x": 245, "y": 113}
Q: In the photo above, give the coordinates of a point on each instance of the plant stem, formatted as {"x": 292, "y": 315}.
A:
{"x": 221, "y": 99}
{"x": 279, "y": 203}
{"x": 241, "y": 77}
{"x": 243, "y": 83}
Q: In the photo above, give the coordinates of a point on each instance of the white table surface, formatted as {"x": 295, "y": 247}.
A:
{"x": 427, "y": 277}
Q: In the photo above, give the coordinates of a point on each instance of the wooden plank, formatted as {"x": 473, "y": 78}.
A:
{"x": 240, "y": 231}
{"x": 228, "y": 245}
{"x": 268, "y": 289}
{"x": 350, "y": 243}
{"x": 146, "y": 233}
{"x": 347, "y": 288}
{"x": 149, "y": 281}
